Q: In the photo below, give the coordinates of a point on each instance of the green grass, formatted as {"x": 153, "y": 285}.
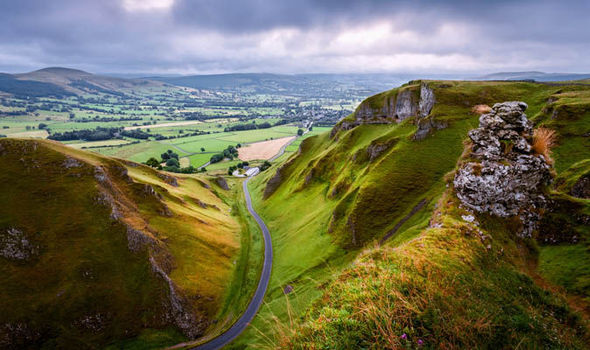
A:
{"x": 357, "y": 200}
{"x": 85, "y": 267}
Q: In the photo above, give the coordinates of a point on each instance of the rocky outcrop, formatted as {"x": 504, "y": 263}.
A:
{"x": 16, "y": 246}
{"x": 426, "y": 126}
{"x": 191, "y": 323}
{"x": 221, "y": 182}
{"x": 503, "y": 177}
{"x": 581, "y": 188}
{"x": 408, "y": 102}
{"x": 426, "y": 100}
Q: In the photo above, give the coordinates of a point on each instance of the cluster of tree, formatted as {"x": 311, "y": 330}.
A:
{"x": 233, "y": 168}
{"x": 97, "y": 134}
{"x": 196, "y": 133}
{"x": 135, "y": 134}
{"x": 230, "y": 152}
{"x": 170, "y": 159}
{"x": 264, "y": 165}
{"x": 10, "y": 113}
{"x": 250, "y": 126}
{"x": 104, "y": 119}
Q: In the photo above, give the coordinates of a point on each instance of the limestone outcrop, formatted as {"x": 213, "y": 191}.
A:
{"x": 503, "y": 177}
{"x": 407, "y": 102}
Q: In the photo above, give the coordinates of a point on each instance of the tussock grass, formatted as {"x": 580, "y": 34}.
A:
{"x": 447, "y": 288}
{"x": 543, "y": 140}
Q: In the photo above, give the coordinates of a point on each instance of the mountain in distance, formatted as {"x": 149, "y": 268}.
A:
{"x": 60, "y": 82}
{"x": 311, "y": 84}
{"x": 534, "y": 75}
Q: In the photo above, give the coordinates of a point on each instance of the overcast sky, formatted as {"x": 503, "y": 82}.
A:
{"x": 295, "y": 36}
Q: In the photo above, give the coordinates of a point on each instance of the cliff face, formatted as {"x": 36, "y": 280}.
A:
{"x": 414, "y": 100}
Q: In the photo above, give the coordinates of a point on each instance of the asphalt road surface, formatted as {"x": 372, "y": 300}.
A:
{"x": 243, "y": 322}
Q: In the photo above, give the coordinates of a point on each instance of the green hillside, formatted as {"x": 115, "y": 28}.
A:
{"x": 97, "y": 251}
{"x": 379, "y": 177}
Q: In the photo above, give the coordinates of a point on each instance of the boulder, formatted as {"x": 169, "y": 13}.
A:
{"x": 504, "y": 178}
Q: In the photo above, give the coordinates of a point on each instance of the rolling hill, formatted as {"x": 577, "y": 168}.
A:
{"x": 101, "y": 252}
{"x": 61, "y": 82}
{"x": 377, "y": 251}
{"x": 537, "y": 76}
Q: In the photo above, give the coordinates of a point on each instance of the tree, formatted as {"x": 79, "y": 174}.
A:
{"x": 172, "y": 162}
{"x": 169, "y": 154}
{"x": 299, "y": 132}
{"x": 153, "y": 162}
{"x": 202, "y": 149}
{"x": 42, "y": 126}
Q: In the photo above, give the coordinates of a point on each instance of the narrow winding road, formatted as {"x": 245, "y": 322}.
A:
{"x": 243, "y": 322}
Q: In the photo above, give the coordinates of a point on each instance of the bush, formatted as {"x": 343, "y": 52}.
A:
{"x": 299, "y": 132}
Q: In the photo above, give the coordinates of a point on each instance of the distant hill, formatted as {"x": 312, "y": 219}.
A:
{"x": 296, "y": 84}
{"x": 533, "y": 75}
{"x": 59, "y": 82}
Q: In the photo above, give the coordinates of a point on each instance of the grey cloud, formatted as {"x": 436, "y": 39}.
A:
{"x": 103, "y": 36}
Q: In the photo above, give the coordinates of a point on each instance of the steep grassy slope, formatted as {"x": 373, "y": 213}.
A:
{"x": 375, "y": 182}
{"x": 96, "y": 250}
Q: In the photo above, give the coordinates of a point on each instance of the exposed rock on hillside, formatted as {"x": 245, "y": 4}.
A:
{"x": 222, "y": 183}
{"x": 581, "y": 188}
{"x": 15, "y": 245}
{"x": 503, "y": 177}
{"x": 407, "y": 102}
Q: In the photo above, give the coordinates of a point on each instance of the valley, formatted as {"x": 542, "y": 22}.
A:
{"x": 371, "y": 245}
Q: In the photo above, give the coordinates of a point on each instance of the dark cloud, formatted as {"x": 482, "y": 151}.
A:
{"x": 294, "y": 36}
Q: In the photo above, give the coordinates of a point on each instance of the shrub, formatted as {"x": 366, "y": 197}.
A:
{"x": 172, "y": 162}
{"x": 543, "y": 140}
{"x": 153, "y": 162}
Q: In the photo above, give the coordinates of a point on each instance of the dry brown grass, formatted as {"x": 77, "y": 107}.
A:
{"x": 481, "y": 109}
{"x": 543, "y": 140}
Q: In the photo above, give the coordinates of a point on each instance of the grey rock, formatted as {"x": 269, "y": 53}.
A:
{"x": 222, "y": 183}
{"x": 137, "y": 240}
{"x": 506, "y": 181}
{"x": 16, "y": 246}
{"x": 71, "y": 163}
{"x": 427, "y": 100}
{"x": 394, "y": 109}
{"x": 581, "y": 188}
{"x": 181, "y": 312}
{"x": 404, "y": 106}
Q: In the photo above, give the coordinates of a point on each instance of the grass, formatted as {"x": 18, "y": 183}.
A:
{"x": 357, "y": 200}
{"x": 444, "y": 289}
{"x": 85, "y": 267}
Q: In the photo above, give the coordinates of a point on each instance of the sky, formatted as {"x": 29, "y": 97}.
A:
{"x": 295, "y": 36}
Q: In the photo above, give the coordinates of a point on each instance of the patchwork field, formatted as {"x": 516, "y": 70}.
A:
{"x": 263, "y": 150}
